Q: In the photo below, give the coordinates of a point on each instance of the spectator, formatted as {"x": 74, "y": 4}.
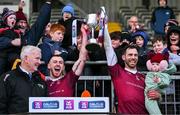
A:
{"x": 169, "y": 23}
{"x": 173, "y": 39}
{"x": 67, "y": 21}
{"x": 173, "y": 44}
{"x": 157, "y": 78}
{"x": 127, "y": 81}
{"x": 61, "y": 84}
{"x": 21, "y": 22}
{"x": 13, "y": 42}
{"x": 159, "y": 45}
{"x": 160, "y": 16}
{"x": 52, "y": 44}
{"x": 11, "y": 49}
{"x": 119, "y": 41}
{"x": 133, "y": 25}
{"x": 31, "y": 35}
{"x": 141, "y": 38}
{"x": 47, "y": 29}
{"x": 25, "y": 81}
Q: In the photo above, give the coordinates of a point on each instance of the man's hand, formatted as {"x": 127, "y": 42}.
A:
{"x": 16, "y": 42}
{"x": 153, "y": 94}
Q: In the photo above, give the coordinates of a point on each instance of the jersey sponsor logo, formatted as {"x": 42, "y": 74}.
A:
{"x": 45, "y": 105}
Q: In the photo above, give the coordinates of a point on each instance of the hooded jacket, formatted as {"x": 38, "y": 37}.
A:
{"x": 142, "y": 51}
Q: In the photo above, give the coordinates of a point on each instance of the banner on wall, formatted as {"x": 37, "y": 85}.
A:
{"x": 69, "y": 105}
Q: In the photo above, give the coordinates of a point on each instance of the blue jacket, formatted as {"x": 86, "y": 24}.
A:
{"x": 159, "y": 17}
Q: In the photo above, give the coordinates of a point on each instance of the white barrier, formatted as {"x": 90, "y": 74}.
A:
{"x": 69, "y": 105}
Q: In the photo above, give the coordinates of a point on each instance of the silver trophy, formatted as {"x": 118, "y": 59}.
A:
{"x": 93, "y": 45}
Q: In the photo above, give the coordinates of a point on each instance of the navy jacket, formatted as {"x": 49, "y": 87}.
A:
{"x": 159, "y": 18}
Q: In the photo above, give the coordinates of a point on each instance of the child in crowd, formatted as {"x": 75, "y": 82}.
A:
{"x": 68, "y": 21}
{"x": 52, "y": 44}
{"x": 119, "y": 40}
{"x": 159, "y": 45}
{"x": 157, "y": 78}
{"x": 140, "y": 38}
{"x": 10, "y": 38}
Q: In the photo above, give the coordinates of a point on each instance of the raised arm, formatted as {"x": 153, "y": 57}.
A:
{"x": 34, "y": 34}
{"x": 110, "y": 54}
{"x": 79, "y": 64}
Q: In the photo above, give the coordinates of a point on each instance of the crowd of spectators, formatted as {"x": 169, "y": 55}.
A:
{"x": 44, "y": 47}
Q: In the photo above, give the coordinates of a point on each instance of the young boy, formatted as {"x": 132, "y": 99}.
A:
{"x": 159, "y": 45}
{"x": 119, "y": 40}
{"x": 52, "y": 45}
{"x": 141, "y": 38}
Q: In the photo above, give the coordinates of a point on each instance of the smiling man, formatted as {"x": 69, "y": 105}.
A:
{"x": 128, "y": 83}
{"x": 18, "y": 85}
{"x": 61, "y": 84}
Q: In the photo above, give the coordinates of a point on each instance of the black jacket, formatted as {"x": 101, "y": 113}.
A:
{"x": 67, "y": 41}
{"x": 16, "y": 87}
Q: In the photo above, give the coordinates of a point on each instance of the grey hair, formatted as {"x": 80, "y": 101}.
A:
{"x": 27, "y": 50}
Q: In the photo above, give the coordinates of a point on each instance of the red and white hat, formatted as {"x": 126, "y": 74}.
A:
{"x": 6, "y": 13}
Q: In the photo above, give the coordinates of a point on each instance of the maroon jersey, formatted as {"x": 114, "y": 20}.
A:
{"x": 63, "y": 87}
{"x": 129, "y": 89}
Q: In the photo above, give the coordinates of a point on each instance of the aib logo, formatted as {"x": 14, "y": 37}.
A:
{"x": 68, "y": 104}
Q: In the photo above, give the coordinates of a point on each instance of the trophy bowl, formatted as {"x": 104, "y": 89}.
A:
{"x": 93, "y": 45}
